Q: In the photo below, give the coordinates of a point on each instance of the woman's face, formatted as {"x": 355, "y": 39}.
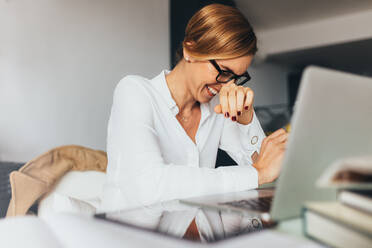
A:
{"x": 203, "y": 75}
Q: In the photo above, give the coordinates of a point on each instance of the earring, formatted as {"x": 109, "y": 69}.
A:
{"x": 187, "y": 59}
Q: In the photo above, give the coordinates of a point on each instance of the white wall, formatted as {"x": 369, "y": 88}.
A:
{"x": 60, "y": 61}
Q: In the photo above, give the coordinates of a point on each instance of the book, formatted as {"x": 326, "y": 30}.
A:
{"x": 337, "y": 225}
{"x": 348, "y": 173}
{"x": 358, "y": 199}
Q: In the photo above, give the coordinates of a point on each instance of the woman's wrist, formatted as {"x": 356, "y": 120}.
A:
{"x": 263, "y": 176}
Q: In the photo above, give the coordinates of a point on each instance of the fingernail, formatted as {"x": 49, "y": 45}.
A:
{"x": 233, "y": 118}
{"x": 239, "y": 113}
{"x": 246, "y": 107}
{"x": 227, "y": 115}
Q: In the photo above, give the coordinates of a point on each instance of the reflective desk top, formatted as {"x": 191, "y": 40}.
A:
{"x": 180, "y": 221}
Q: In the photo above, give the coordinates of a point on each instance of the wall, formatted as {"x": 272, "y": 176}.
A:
{"x": 60, "y": 61}
{"x": 328, "y": 31}
{"x": 269, "y": 82}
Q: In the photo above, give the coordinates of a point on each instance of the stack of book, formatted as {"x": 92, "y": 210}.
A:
{"x": 346, "y": 222}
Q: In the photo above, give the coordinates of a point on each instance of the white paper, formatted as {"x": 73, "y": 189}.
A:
{"x": 26, "y": 231}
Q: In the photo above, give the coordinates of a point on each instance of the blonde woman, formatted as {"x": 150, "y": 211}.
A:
{"x": 164, "y": 132}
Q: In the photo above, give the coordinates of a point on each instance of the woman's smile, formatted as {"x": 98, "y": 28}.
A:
{"x": 212, "y": 92}
{"x": 212, "y": 89}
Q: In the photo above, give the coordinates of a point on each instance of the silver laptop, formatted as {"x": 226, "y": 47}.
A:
{"x": 332, "y": 120}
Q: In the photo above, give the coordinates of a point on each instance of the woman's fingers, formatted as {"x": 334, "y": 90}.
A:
{"x": 282, "y": 138}
{"x": 271, "y": 155}
{"x": 240, "y": 95}
{"x": 232, "y": 103}
{"x": 277, "y": 133}
{"x": 249, "y": 95}
{"x": 224, "y": 101}
{"x": 218, "y": 109}
{"x": 234, "y": 100}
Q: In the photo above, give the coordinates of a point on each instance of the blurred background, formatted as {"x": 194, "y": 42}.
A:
{"x": 61, "y": 60}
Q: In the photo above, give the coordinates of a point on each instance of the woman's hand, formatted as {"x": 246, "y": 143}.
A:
{"x": 271, "y": 156}
{"x": 236, "y": 103}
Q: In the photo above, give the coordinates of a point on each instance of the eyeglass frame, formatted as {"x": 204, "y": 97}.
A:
{"x": 234, "y": 76}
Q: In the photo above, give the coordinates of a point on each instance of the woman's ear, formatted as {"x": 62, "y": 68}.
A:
{"x": 186, "y": 55}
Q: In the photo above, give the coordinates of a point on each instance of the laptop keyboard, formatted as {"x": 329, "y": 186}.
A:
{"x": 261, "y": 204}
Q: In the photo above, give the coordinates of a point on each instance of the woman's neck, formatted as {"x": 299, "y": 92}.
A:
{"x": 178, "y": 85}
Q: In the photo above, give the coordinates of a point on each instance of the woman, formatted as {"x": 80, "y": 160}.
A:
{"x": 164, "y": 133}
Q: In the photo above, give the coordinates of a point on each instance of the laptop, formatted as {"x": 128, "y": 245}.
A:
{"x": 332, "y": 120}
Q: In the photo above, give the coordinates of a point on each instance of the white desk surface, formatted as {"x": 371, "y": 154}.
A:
{"x": 292, "y": 226}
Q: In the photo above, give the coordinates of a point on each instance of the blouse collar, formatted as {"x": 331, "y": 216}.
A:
{"x": 161, "y": 85}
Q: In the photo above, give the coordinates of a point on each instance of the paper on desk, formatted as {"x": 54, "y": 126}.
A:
{"x": 27, "y": 231}
{"x": 268, "y": 238}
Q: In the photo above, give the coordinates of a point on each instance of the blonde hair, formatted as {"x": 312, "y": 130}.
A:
{"x": 218, "y": 31}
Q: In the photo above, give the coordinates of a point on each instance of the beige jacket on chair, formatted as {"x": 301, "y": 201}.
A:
{"x": 38, "y": 176}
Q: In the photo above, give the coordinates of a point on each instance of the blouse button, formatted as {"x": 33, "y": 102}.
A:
{"x": 255, "y": 223}
{"x": 254, "y": 140}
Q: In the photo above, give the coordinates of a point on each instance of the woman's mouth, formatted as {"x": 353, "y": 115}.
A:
{"x": 211, "y": 91}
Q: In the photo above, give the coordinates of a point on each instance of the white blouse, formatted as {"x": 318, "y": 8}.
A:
{"x": 152, "y": 159}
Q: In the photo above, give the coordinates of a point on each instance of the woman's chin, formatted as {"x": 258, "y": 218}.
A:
{"x": 205, "y": 98}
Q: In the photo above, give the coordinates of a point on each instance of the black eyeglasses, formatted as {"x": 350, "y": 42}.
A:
{"x": 225, "y": 76}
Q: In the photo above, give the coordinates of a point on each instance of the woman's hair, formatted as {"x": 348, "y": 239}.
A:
{"x": 218, "y": 31}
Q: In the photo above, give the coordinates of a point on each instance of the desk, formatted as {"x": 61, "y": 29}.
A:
{"x": 292, "y": 227}
{"x": 173, "y": 219}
